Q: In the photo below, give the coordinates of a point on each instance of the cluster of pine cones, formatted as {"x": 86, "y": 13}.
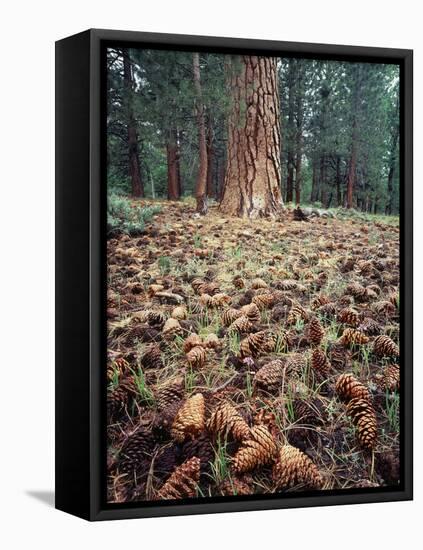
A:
{"x": 249, "y": 371}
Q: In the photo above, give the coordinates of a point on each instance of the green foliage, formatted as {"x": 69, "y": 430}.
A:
{"x": 123, "y": 217}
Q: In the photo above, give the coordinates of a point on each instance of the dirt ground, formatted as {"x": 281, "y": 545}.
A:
{"x": 311, "y": 281}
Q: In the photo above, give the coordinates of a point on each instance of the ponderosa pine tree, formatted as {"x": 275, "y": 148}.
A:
{"x": 133, "y": 150}
{"x": 201, "y": 182}
{"x": 253, "y": 172}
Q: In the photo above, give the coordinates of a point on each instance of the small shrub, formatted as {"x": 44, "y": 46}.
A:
{"x": 122, "y": 217}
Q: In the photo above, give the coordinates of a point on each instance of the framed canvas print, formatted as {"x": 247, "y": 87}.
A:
{"x": 234, "y": 274}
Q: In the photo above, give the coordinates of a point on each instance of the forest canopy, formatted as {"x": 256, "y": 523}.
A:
{"x": 253, "y": 133}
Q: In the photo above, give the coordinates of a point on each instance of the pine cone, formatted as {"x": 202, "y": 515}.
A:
{"x": 264, "y": 301}
{"x": 294, "y": 467}
{"x": 327, "y": 311}
{"x": 258, "y": 283}
{"x": 230, "y": 315}
{"x": 202, "y": 448}
{"x": 242, "y": 324}
{"x": 320, "y": 363}
{"x": 206, "y": 300}
{"x": 225, "y": 419}
{"x": 315, "y": 331}
{"x": 220, "y": 300}
{"x": 253, "y": 344}
{"x": 238, "y": 282}
{"x": 297, "y": 313}
{"x": 192, "y": 341}
{"x": 183, "y": 482}
{"x": 155, "y": 318}
{"x": 319, "y": 301}
{"x": 339, "y": 356}
{"x": 237, "y": 486}
{"x": 308, "y": 411}
{"x": 252, "y": 312}
{"x": 384, "y": 307}
{"x": 172, "y": 327}
{"x": 270, "y": 376}
{"x": 189, "y": 421}
{"x": 166, "y": 417}
{"x": 295, "y": 363}
{"x": 385, "y": 346}
{"x": 211, "y": 341}
{"x": 348, "y": 316}
{"x": 179, "y": 313}
{"x": 358, "y": 291}
{"x": 152, "y": 358}
{"x": 370, "y": 327}
{"x": 348, "y": 387}
{"x": 259, "y": 450}
{"x": 136, "y": 449}
{"x": 168, "y": 395}
{"x": 363, "y": 416}
{"x": 196, "y": 357}
{"x": 391, "y": 377}
{"x": 351, "y": 337}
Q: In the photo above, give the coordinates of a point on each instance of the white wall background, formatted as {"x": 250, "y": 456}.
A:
{"x": 28, "y": 31}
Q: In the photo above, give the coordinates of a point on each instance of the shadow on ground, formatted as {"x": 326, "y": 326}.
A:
{"x": 46, "y": 497}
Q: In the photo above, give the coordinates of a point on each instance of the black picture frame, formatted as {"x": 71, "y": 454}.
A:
{"x": 80, "y": 273}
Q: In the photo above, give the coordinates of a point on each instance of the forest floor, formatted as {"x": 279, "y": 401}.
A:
{"x": 312, "y": 281}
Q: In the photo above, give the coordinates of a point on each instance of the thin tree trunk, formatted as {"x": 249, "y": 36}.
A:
{"x": 210, "y": 160}
{"x": 314, "y": 183}
{"x": 299, "y": 134}
{"x": 137, "y": 187}
{"x": 290, "y": 144}
{"x": 338, "y": 181}
{"x": 352, "y": 167}
{"x": 323, "y": 186}
{"x": 201, "y": 183}
{"x": 253, "y": 174}
{"x": 392, "y": 162}
{"x": 173, "y": 183}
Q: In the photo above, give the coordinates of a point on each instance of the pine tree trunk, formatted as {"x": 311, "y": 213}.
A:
{"x": 290, "y": 144}
{"x": 314, "y": 182}
{"x": 299, "y": 132}
{"x": 210, "y": 161}
{"x": 338, "y": 181}
{"x": 173, "y": 183}
{"x": 392, "y": 163}
{"x": 352, "y": 167}
{"x": 137, "y": 186}
{"x": 253, "y": 174}
{"x": 201, "y": 183}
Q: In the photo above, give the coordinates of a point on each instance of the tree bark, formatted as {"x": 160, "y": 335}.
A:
{"x": 211, "y": 192}
{"x": 137, "y": 187}
{"x": 392, "y": 161}
{"x": 201, "y": 183}
{"x": 338, "y": 181}
{"x": 173, "y": 174}
{"x": 299, "y": 134}
{"x": 352, "y": 167}
{"x": 253, "y": 173}
{"x": 290, "y": 144}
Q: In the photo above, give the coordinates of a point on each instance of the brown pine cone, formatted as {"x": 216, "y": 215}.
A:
{"x": 202, "y": 448}
{"x": 169, "y": 394}
{"x": 348, "y": 387}
{"x": 220, "y": 300}
{"x": 253, "y": 344}
{"x": 172, "y": 327}
{"x": 320, "y": 363}
{"x": 339, "y": 356}
{"x": 211, "y": 341}
{"x": 391, "y": 378}
{"x": 295, "y": 363}
{"x": 183, "y": 482}
{"x": 152, "y": 358}
{"x": 357, "y": 291}
{"x": 259, "y": 450}
{"x": 237, "y": 486}
{"x": 385, "y": 346}
{"x": 229, "y": 316}
{"x": 297, "y": 313}
{"x": 308, "y": 411}
{"x": 192, "y": 341}
{"x": 180, "y": 313}
{"x": 363, "y": 416}
{"x": 294, "y": 467}
{"x": 319, "y": 301}
{"x": 136, "y": 448}
{"x": 384, "y": 307}
{"x": 370, "y": 327}
{"x": 242, "y": 325}
{"x": 348, "y": 316}
{"x": 225, "y": 419}
{"x": 164, "y": 420}
{"x": 117, "y": 399}
{"x": 189, "y": 421}
{"x": 327, "y": 310}
{"x": 196, "y": 357}
{"x": 315, "y": 331}
{"x": 252, "y": 312}
{"x": 351, "y": 337}
{"x": 270, "y": 376}
{"x": 264, "y": 301}
{"x": 238, "y": 282}
{"x": 258, "y": 283}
